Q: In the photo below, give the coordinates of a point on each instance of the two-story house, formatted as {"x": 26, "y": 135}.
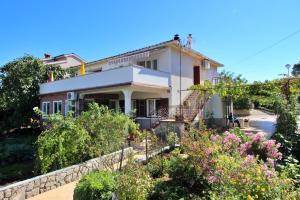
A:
{"x": 152, "y": 81}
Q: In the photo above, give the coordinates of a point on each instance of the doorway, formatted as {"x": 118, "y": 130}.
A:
{"x": 196, "y": 75}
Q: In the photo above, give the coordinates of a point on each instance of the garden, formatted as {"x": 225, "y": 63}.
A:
{"x": 206, "y": 165}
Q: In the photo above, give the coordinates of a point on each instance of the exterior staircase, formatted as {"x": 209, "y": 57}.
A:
{"x": 191, "y": 106}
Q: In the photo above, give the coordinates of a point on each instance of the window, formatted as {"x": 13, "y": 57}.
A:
{"x": 139, "y": 106}
{"x": 141, "y": 63}
{"x": 57, "y": 105}
{"x": 154, "y": 64}
{"x": 157, "y": 107}
{"x": 45, "y": 109}
{"x": 148, "y": 64}
{"x": 151, "y": 107}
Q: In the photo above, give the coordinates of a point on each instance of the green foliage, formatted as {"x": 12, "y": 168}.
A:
{"x": 233, "y": 173}
{"x": 292, "y": 170}
{"x": 70, "y": 140}
{"x": 107, "y": 128}
{"x": 19, "y": 89}
{"x": 287, "y": 129}
{"x": 242, "y": 103}
{"x": 185, "y": 173}
{"x": 229, "y": 87}
{"x": 296, "y": 70}
{"x": 64, "y": 144}
{"x": 172, "y": 138}
{"x": 96, "y": 186}
{"x": 134, "y": 183}
{"x": 167, "y": 190}
{"x": 156, "y": 167}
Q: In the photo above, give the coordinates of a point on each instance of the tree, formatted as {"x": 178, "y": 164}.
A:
{"x": 296, "y": 69}
{"x": 19, "y": 90}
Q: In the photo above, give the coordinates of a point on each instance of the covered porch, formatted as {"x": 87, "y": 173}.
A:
{"x": 147, "y": 104}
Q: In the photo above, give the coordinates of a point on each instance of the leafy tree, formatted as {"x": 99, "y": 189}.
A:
{"x": 296, "y": 69}
{"x": 229, "y": 87}
{"x": 64, "y": 144}
{"x": 70, "y": 140}
{"x": 107, "y": 128}
{"x": 19, "y": 89}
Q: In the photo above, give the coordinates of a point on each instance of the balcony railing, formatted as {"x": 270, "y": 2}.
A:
{"x": 113, "y": 77}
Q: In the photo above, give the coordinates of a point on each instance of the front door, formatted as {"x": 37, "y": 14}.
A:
{"x": 196, "y": 75}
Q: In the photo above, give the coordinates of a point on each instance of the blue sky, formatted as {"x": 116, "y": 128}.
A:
{"x": 228, "y": 31}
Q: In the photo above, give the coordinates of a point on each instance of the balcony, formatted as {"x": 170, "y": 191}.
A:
{"x": 113, "y": 77}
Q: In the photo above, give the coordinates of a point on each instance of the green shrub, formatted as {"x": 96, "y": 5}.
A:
{"x": 184, "y": 173}
{"x": 108, "y": 129}
{"x": 64, "y": 144}
{"x": 96, "y": 186}
{"x": 70, "y": 140}
{"x": 134, "y": 183}
{"x": 156, "y": 167}
{"x": 168, "y": 190}
{"x": 172, "y": 138}
{"x": 242, "y": 103}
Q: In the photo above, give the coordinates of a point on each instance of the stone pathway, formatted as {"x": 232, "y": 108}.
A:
{"x": 64, "y": 192}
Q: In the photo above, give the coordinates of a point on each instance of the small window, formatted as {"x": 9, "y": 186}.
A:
{"x": 148, "y": 64}
{"x": 57, "y": 105}
{"x": 45, "y": 109}
{"x": 154, "y": 64}
{"x": 141, "y": 63}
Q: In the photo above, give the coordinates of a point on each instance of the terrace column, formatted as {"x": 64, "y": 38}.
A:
{"x": 127, "y": 100}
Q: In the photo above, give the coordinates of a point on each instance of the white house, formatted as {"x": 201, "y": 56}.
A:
{"x": 63, "y": 60}
{"x": 152, "y": 81}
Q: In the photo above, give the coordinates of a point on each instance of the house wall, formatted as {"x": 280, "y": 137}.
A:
{"x": 64, "y": 62}
{"x": 54, "y": 97}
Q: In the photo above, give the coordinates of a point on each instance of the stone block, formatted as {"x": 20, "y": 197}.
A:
{"x": 35, "y": 191}
{"x": 28, "y": 194}
{"x": 44, "y": 179}
{"x": 30, "y": 186}
{"x": 7, "y": 193}
{"x": 51, "y": 178}
{"x": 1, "y": 194}
{"x": 37, "y": 183}
{"x": 68, "y": 178}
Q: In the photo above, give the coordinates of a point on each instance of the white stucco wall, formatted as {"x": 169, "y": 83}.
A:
{"x": 215, "y": 107}
{"x": 187, "y": 64}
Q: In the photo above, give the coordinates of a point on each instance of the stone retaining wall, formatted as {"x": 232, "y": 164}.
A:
{"x": 39, "y": 184}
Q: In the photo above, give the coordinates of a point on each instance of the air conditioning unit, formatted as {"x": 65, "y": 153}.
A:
{"x": 71, "y": 96}
{"x": 206, "y": 64}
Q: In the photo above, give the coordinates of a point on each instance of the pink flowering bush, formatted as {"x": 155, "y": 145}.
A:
{"x": 239, "y": 165}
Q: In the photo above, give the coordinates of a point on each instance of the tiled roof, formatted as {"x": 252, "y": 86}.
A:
{"x": 135, "y": 51}
{"x": 151, "y": 47}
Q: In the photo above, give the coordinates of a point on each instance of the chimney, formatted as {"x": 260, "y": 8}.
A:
{"x": 176, "y": 37}
{"x": 189, "y": 41}
{"x": 47, "y": 55}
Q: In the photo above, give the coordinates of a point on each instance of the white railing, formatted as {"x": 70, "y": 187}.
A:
{"x": 112, "y": 77}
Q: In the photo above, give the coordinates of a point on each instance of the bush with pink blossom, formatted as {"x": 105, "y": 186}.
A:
{"x": 239, "y": 165}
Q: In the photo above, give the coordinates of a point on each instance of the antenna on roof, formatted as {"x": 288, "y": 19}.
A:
{"x": 189, "y": 41}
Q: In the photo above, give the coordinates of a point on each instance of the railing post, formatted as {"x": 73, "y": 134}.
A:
{"x": 121, "y": 159}
{"x": 146, "y": 146}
